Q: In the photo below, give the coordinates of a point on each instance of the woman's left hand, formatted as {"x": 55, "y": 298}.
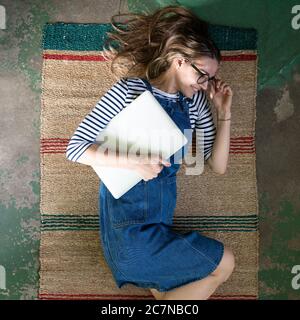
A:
{"x": 220, "y": 94}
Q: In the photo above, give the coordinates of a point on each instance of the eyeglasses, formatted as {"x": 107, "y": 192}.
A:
{"x": 203, "y": 77}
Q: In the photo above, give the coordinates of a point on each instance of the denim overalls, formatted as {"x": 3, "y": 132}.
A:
{"x": 138, "y": 242}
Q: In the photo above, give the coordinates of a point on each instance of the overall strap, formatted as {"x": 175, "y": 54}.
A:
{"x": 148, "y": 85}
{"x": 183, "y": 102}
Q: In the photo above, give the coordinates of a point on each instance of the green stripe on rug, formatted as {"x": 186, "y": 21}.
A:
{"x": 92, "y": 37}
{"x": 201, "y": 223}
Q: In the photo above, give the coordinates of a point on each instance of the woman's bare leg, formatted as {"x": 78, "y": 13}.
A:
{"x": 157, "y": 294}
{"x": 204, "y": 288}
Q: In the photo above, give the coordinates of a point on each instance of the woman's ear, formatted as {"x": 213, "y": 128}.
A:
{"x": 179, "y": 63}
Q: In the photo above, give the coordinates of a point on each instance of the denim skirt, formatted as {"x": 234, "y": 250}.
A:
{"x": 139, "y": 244}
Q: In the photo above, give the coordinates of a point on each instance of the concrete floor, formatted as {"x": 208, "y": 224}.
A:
{"x": 277, "y": 145}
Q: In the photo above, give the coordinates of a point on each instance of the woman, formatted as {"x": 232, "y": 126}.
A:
{"x": 170, "y": 54}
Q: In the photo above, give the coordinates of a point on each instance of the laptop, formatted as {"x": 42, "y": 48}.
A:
{"x": 142, "y": 127}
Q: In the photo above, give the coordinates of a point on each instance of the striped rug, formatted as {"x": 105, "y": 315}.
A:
{"x": 75, "y": 76}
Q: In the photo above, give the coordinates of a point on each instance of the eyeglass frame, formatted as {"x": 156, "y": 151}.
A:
{"x": 202, "y": 74}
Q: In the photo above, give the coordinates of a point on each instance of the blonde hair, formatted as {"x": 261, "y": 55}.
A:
{"x": 149, "y": 43}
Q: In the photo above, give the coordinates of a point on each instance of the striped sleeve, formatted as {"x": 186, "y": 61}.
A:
{"x": 205, "y": 125}
{"x": 110, "y": 104}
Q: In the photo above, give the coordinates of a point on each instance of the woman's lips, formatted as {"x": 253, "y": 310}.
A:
{"x": 195, "y": 90}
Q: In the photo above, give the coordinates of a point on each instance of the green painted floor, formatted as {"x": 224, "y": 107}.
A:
{"x": 277, "y": 130}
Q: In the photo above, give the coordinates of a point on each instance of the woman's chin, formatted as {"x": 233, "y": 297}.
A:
{"x": 192, "y": 92}
{"x": 189, "y": 92}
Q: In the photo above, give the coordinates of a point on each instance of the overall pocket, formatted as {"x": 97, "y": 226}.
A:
{"x": 131, "y": 208}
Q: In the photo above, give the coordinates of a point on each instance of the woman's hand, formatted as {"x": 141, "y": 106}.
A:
{"x": 220, "y": 94}
{"x": 147, "y": 167}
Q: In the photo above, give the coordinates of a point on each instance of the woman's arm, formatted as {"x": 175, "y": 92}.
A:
{"x": 110, "y": 104}
{"x": 221, "y": 95}
{"x": 220, "y": 153}
{"x": 94, "y": 155}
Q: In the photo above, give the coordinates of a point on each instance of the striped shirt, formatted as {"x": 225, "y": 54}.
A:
{"x": 124, "y": 92}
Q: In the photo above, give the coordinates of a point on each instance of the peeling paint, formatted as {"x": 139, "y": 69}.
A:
{"x": 277, "y": 260}
{"x": 19, "y": 237}
{"x": 20, "y": 68}
{"x": 284, "y": 108}
{"x": 296, "y": 77}
{"x": 31, "y": 226}
{"x": 22, "y": 159}
{"x": 26, "y": 21}
{"x": 35, "y": 185}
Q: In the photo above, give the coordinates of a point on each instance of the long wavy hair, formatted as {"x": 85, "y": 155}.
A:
{"x": 147, "y": 44}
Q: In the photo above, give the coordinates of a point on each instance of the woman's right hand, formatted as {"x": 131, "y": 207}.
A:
{"x": 148, "y": 167}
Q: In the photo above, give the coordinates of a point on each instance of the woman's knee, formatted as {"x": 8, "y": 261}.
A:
{"x": 226, "y": 266}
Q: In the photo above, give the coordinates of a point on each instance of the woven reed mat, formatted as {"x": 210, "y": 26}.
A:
{"x": 72, "y": 265}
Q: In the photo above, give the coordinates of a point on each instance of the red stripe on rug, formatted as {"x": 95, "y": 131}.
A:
{"x": 62, "y": 296}
{"x": 237, "y": 145}
{"x": 59, "y": 144}
{"x": 60, "y": 141}
{"x": 233, "y": 298}
{"x": 241, "y": 144}
{"x": 242, "y": 138}
{"x": 231, "y": 152}
{"x": 74, "y": 57}
{"x": 246, "y": 142}
{"x": 52, "y": 152}
{"x": 240, "y": 57}
{"x": 236, "y": 149}
{"x": 54, "y": 139}
{"x": 240, "y": 152}
{"x": 96, "y": 297}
